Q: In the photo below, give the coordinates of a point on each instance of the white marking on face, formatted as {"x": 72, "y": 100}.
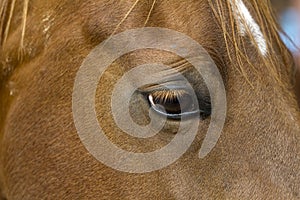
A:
{"x": 246, "y": 22}
{"x": 47, "y": 21}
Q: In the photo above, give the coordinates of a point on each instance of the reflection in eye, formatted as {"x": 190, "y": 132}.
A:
{"x": 174, "y": 104}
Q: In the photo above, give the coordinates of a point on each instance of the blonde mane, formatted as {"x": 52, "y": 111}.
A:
{"x": 265, "y": 18}
{"x": 6, "y": 13}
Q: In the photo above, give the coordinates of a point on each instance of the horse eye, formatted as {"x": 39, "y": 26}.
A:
{"x": 174, "y": 104}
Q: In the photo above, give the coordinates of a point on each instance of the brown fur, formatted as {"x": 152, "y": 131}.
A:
{"x": 257, "y": 156}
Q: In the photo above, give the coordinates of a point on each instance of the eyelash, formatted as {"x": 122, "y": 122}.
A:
{"x": 168, "y": 95}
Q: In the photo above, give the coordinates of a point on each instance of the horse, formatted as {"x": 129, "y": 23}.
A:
{"x": 43, "y": 45}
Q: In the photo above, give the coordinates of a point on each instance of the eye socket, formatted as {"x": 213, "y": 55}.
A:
{"x": 174, "y": 104}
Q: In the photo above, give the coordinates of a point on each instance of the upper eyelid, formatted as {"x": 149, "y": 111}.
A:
{"x": 173, "y": 85}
